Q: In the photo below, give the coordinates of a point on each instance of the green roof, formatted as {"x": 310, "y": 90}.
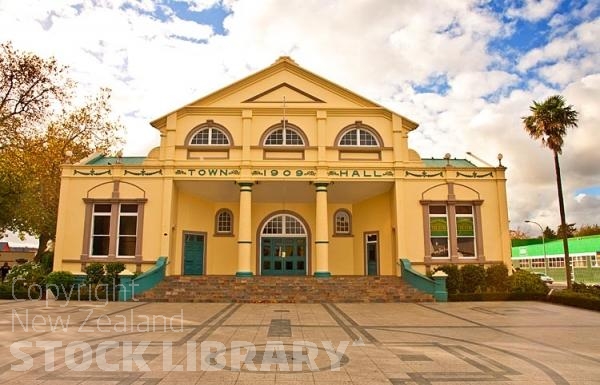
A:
{"x": 431, "y": 162}
{"x": 577, "y": 245}
{"x": 108, "y": 160}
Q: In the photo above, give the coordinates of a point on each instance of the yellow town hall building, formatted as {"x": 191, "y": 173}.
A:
{"x": 282, "y": 173}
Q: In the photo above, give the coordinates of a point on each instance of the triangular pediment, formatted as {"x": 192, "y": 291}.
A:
{"x": 283, "y": 92}
{"x": 283, "y": 79}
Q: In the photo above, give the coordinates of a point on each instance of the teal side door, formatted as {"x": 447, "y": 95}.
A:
{"x": 193, "y": 254}
{"x": 371, "y": 253}
{"x": 283, "y": 256}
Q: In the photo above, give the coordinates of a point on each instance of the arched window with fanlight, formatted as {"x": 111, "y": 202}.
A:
{"x": 359, "y": 135}
{"x": 342, "y": 223}
{"x": 224, "y": 223}
{"x": 209, "y": 140}
{"x": 284, "y": 134}
{"x": 209, "y": 134}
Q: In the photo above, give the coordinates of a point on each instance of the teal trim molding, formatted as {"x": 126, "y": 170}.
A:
{"x": 436, "y": 287}
{"x": 322, "y": 274}
{"x": 129, "y": 288}
{"x": 243, "y": 274}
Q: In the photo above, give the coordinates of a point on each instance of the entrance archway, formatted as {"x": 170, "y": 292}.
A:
{"x": 283, "y": 245}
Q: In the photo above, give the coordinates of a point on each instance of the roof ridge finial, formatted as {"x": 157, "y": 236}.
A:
{"x": 285, "y": 58}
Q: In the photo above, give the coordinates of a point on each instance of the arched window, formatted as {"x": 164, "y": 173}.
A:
{"x": 224, "y": 222}
{"x": 284, "y": 224}
{"x": 210, "y": 135}
{"x": 284, "y": 134}
{"x": 342, "y": 222}
{"x": 359, "y": 135}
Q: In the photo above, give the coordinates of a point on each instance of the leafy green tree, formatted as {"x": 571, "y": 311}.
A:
{"x": 570, "y": 231}
{"x": 30, "y": 87}
{"x": 549, "y": 121}
{"x": 549, "y": 233}
{"x": 586, "y": 230}
{"x": 41, "y": 128}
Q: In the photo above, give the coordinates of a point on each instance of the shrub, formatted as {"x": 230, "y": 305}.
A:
{"x": 112, "y": 272}
{"x": 453, "y": 282}
{"x": 95, "y": 273}
{"x": 523, "y": 281}
{"x": 7, "y": 291}
{"x": 47, "y": 260}
{"x": 60, "y": 282}
{"x": 586, "y": 289}
{"x": 577, "y": 299}
{"x": 473, "y": 279}
{"x": 496, "y": 278}
{"x": 27, "y": 274}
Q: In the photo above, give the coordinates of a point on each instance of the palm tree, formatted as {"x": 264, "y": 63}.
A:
{"x": 549, "y": 121}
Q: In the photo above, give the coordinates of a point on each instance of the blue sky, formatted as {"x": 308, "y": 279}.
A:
{"x": 465, "y": 70}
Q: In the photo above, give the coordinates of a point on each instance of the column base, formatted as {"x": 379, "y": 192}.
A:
{"x": 322, "y": 274}
{"x": 243, "y": 274}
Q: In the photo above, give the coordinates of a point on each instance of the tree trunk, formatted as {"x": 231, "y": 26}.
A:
{"x": 563, "y": 222}
{"x": 44, "y": 238}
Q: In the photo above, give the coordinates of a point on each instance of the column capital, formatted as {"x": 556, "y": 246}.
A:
{"x": 321, "y": 186}
{"x": 245, "y": 186}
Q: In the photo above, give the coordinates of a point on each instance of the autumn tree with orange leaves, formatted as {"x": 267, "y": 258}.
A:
{"x": 41, "y": 128}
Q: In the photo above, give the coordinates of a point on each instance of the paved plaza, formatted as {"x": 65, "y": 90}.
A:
{"x": 226, "y": 343}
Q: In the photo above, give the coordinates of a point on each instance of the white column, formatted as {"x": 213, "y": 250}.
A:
{"x": 322, "y": 232}
{"x": 245, "y": 231}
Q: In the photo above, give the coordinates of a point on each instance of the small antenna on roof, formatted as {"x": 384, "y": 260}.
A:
{"x": 284, "y": 112}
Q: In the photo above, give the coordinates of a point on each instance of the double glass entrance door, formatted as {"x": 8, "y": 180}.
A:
{"x": 283, "y": 256}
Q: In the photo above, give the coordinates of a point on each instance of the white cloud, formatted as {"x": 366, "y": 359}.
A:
{"x": 580, "y": 41}
{"x": 479, "y": 84}
{"x": 384, "y": 50}
{"x": 534, "y": 10}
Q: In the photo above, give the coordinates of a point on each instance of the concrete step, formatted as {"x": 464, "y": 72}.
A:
{"x": 267, "y": 289}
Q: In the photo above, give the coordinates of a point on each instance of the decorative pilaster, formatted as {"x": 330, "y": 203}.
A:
{"x": 321, "y": 232}
{"x": 245, "y": 231}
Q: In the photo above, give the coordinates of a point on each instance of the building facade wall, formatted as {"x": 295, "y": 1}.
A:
{"x": 182, "y": 187}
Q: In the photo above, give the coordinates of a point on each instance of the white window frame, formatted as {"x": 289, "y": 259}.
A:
{"x": 284, "y": 140}
{"x": 282, "y": 231}
{"x": 346, "y": 222}
{"x": 218, "y": 229}
{"x": 537, "y": 263}
{"x": 118, "y": 229}
{"x": 474, "y": 236}
{"x": 92, "y": 229}
{"x": 211, "y": 137}
{"x": 556, "y": 262}
{"x": 579, "y": 261}
{"x": 445, "y": 215}
{"x": 359, "y": 141}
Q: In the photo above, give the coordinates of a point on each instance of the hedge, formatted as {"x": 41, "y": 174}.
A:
{"x": 570, "y": 298}
{"x": 463, "y": 297}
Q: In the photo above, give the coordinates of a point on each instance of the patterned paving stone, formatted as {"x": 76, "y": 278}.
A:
{"x": 332, "y": 343}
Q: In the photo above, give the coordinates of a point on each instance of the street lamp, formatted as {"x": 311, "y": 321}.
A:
{"x": 543, "y": 245}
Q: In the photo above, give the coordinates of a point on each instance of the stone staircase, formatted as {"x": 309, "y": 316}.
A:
{"x": 268, "y": 289}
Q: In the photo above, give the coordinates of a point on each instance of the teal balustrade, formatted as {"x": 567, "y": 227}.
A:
{"x": 435, "y": 286}
{"x": 129, "y": 287}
